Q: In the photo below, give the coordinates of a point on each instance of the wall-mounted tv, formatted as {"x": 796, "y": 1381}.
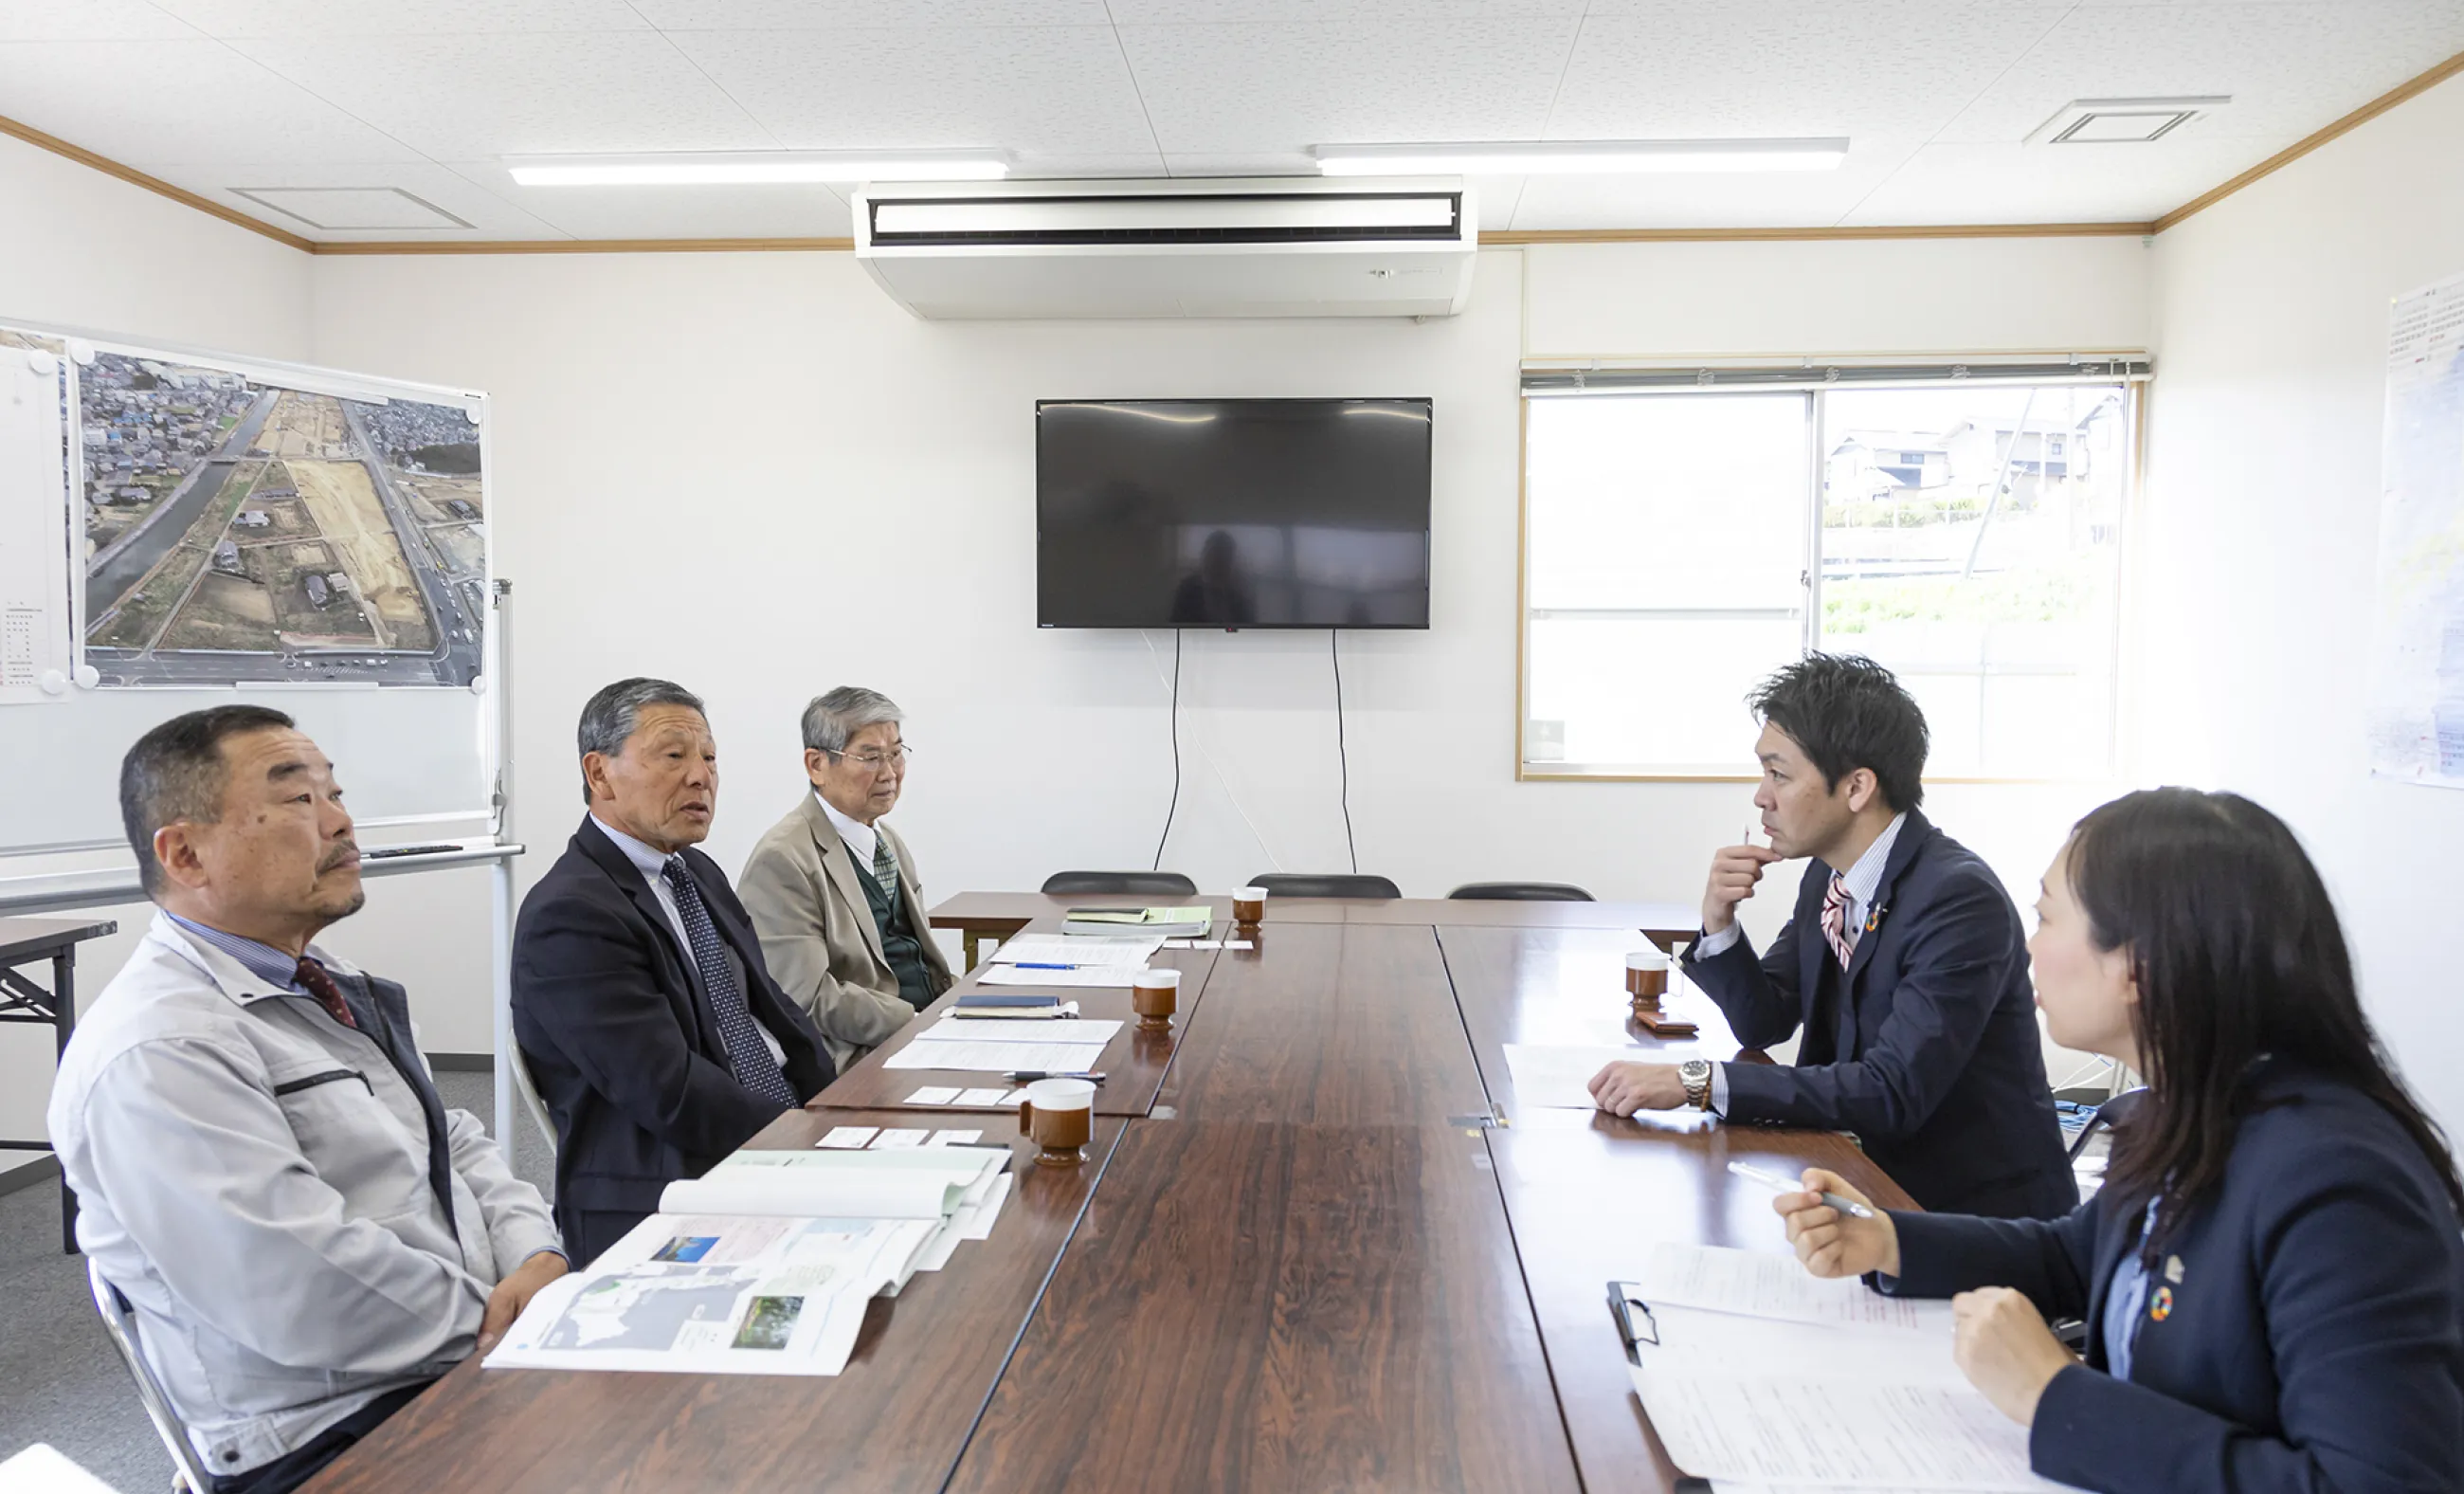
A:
{"x": 1232, "y": 513}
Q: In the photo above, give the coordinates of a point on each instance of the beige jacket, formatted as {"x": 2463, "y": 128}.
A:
{"x": 817, "y": 931}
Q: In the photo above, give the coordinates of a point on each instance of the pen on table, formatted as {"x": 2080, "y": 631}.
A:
{"x": 1024, "y": 1075}
{"x": 1788, "y": 1185}
{"x": 1039, "y": 965}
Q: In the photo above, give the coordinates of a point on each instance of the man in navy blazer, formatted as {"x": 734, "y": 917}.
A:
{"x": 653, "y": 1033}
{"x": 1904, "y": 965}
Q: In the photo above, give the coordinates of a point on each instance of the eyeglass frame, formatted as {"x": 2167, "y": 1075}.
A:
{"x": 902, "y": 754}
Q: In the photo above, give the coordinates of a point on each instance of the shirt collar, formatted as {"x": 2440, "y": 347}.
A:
{"x": 645, "y": 858}
{"x": 1866, "y": 876}
{"x": 263, "y": 961}
{"x": 861, "y": 837}
{"x": 242, "y": 967}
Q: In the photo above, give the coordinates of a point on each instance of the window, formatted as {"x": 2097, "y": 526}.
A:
{"x": 1681, "y": 543}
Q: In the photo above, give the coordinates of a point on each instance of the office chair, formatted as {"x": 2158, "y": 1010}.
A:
{"x": 2112, "y": 1113}
{"x": 531, "y": 1103}
{"x": 1331, "y": 885}
{"x": 1522, "y": 892}
{"x": 120, "y": 1325}
{"x": 1119, "y": 885}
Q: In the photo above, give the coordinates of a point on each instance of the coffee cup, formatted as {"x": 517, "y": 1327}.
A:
{"x": 1058, "y": 1115}
{"x": 1248, "y": 906}
{"x": 1646, "y": 977}
{"x": 1155, "y": 994}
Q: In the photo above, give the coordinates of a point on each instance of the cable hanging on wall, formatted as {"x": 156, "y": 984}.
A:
{"x": 1342, "y": 754}
{"x": 1174, "y": 807}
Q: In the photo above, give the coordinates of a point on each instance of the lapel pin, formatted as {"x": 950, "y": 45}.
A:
{"x": 2173, "y": 1270}
{"x": 2163, "y": 1307}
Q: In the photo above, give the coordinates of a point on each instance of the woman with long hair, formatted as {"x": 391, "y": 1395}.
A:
{"x": 2272, "y": 1275}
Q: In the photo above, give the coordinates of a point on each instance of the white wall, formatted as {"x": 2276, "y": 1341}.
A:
{"x": 2260, "y": 553}
{"x": 757, "y": 475}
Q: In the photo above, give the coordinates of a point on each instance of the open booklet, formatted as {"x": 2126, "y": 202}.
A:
{"x": 764, "y": 1264}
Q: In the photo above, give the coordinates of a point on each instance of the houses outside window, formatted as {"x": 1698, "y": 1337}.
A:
{"x": 1681, "y": 543}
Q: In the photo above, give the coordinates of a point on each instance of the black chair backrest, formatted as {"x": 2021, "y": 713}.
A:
{"x": 2116, "y": 1111}
{"x": 1522, "y": 892}
{"x": 1117, "y": 885}
{"x": 1331, "y": 884}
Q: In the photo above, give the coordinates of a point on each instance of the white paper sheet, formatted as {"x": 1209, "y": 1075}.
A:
{"x": 1078, "y": 950}
{"x": 1835, "y": 1432}
{"x": 1083, "y": 978}
{"x": 915, "y": 1184}
{"x": 1098, "y": 1031}
{"x": 932, "y": 1094}
{"x": 954, "y": 1138}
{"x": 892, "y": 1138}
{"x": 1000, "y": 1057}
{"x": 1763, "y": 1286}
{"x": 1559, "y": 1079}
{"x": 849, "y": 1138}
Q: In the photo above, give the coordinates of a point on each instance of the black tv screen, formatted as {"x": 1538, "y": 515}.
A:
{"x": 1232, "y": 513}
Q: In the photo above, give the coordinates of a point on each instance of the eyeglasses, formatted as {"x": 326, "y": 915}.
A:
{"x": 875, "y": 762}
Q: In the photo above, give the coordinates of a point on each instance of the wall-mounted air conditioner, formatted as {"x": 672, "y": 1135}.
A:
{"x": 1270, "y": 247}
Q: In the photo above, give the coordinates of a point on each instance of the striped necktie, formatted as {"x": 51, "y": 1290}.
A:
{"x": 747, "y": 1058}
{"x": 1835, "y": 919}
{"x": 885, "y": 864}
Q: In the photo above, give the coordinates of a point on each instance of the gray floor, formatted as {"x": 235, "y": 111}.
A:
{"x": 59, "y": 1381}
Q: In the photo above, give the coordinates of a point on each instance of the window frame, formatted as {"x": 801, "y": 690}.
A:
{"x": 1595, "y": 378}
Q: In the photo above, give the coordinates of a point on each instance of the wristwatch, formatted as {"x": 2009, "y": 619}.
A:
{"x": 1696, "y": 1073}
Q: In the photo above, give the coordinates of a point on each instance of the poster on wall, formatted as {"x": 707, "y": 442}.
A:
{"x": 232, "y": 527}
{"x": 2416, "y": 703}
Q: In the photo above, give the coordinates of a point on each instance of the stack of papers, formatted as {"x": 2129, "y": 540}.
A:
{"x": 1767, "y": 1379}
{"x": 1063, "y": 960}
{"x": 1180, "y": 923}
{"x": 1007, "y": 1047}
{"x": 764, "y": 1264}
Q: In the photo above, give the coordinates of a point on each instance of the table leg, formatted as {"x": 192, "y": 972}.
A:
{"x": 64, "y": 1023}
{"x": 971, "y": 938}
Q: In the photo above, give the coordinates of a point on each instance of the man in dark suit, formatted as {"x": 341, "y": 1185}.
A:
{"x": 1904, "y": 965}
{"x": 653, "y": 1033}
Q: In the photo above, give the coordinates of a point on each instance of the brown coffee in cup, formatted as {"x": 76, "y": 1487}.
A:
{"x": 1249, "y": 906}
{"x": 1059, "y": 1116}
{"x": 1155, "y": 994}
{"x": 1646, "y": 976}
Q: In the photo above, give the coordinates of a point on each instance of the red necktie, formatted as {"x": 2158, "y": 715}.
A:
{"x": 321, "y": 985}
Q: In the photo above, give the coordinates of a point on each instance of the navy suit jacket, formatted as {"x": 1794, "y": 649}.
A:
{"x": 1937, "y": 1067}
{"x": 2313, "y": 1336}
{"x": 618, "y": 1031}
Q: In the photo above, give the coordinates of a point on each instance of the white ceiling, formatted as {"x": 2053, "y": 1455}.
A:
{"x": 321, "y": 106}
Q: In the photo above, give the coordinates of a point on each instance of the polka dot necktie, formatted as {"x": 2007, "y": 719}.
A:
{"x": 318, "y": 982}
{"x": 1835, "y": 919}
{"x": 746, "y": 1055}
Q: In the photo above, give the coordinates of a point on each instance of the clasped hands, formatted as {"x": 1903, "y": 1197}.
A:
{"x": 2003, "y": 1345}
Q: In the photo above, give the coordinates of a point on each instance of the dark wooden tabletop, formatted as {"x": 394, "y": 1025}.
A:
{"x": 23, "y": 939}
{"x": 1330, "y": 1248}
{"x": 1004, "y": 913}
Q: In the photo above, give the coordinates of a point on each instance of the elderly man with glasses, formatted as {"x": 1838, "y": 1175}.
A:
{"x": 833, "y": 891}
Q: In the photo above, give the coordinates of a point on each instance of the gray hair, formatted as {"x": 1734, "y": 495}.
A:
{"x": 832, "y": 719}
{"x": 176, "y": 771}
{"x": 610, "y": 718}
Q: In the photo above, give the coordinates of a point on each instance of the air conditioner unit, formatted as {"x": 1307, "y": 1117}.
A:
{"x": 1221, "y": 247}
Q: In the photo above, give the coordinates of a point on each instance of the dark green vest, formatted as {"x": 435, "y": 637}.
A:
{"x": 898, "y": 942}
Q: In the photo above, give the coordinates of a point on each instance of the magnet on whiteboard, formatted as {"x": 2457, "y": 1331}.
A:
{"x": 478, "y": 684}
{"x": 88, "y": 677}
{"x": 471, "y": 409}
{"x": 81, "y": 352}
{"x": 41, "y": 362}
{"x": 54, "y": 681}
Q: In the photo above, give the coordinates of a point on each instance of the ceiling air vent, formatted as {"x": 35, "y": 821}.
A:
{"x": 336, "y": 208}
{"x": 2124, "y": 122}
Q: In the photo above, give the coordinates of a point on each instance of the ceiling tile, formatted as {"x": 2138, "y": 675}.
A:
{"x": 157, "y": 104}
{"x": 2290, "y": 68}
{"x": 2003, "y": 183}
{"x": 1260, "y": 88}
{"x": 87, "y": 20}
{"x": 488, "y": 215}
{"x": 673, "y": 212}
{"x": 1682, "y": 69}
{"x": 288, "y": 18}
{"x": 720, "y": 16}
{"x": 1743, "y": 199}
{"x": 1057, "y": 90}
{"x": 463, "y": 98}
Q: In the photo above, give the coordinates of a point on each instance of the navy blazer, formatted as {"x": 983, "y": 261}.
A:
{"x": 621, "y": 1041}
{"x": 2313, "y": 1338}
{"x": 1938, "y": 1068}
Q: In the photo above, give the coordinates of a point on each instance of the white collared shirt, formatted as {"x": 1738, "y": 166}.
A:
{"x": 861, "y": 839}
{"x": 653, "y": 867}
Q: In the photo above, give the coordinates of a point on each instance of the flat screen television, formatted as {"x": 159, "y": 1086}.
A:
{"x": 1232, "y": 513}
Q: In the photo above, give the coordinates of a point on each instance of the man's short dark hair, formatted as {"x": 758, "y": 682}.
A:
{"x": 1848, "y": 712}
{"x": 609, "y": 717}
{"x": 176, "y": 771}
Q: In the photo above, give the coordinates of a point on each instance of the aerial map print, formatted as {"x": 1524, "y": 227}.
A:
{"x": 236, "y": 531}
{"x": 2417, "y": 681}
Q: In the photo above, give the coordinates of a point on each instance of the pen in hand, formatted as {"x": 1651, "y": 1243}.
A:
{"x": 1788, "y": 1185}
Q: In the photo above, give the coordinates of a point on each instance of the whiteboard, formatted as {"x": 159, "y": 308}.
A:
{"x": 222, "y": 529}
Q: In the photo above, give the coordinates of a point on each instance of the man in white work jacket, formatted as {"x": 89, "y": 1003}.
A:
{"x": 309, "y": 1237}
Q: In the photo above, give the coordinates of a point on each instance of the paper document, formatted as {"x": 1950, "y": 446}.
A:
{"x": 1146, "y": 917}
{"x": 1763, "y": 1286}
{"x": 847, "y": 1138}
{"x": 1554, "y": 1078}
{"x": 932, "y": 1094}
{"x": 1081, "y": 950}
{"x": 1834, "y": 1434}
{"x": 1083, "y": 977}
{"x": 953, "y": 1029}
{"x": 891, "y": 1140}
{"x": 915, "y": 1183}
{"x": 999, "y": 1058}
{"x": 954, "y": 1138}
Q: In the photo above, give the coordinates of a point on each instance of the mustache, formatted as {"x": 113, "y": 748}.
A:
{"x": 346, "y": 851}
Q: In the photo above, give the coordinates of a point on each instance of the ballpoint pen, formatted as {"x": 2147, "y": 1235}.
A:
{"x": 1788, "y": 1185}
{"x": 1039, "y": 965}
{"x": 1024, "y": 1075}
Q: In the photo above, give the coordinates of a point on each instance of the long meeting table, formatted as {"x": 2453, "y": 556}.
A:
{"x": 1318, "y": 1242}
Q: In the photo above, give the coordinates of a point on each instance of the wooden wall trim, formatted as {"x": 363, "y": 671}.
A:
{"x": 2408, "y": 89}
{"x": 1730, "y": 236}
{"x": 590, "y": 246}
{"x": 153, "y": 184}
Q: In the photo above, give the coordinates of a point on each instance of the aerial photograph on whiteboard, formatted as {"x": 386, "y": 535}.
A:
{"x": 240, "y": 532}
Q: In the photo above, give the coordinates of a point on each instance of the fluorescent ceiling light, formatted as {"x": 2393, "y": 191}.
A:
{"x": 1580, "y": 158}
{"x": 758, "y": 168}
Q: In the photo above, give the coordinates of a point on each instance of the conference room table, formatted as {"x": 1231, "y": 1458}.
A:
{"x": 1318, "y": 1242}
